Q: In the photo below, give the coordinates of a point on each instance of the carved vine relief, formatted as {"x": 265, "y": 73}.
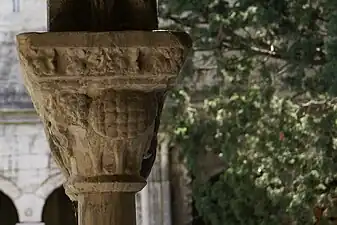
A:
{"x": 111, "y": 131}
{"x": 88, "y": 61}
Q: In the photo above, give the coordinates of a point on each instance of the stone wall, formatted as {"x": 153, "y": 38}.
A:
{"x": 16, "y": 16}
{"x": 28, "y": 174}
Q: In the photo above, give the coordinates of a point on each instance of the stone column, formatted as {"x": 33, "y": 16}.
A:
{"x": 99, "y": 96}
{"x": 31, "y": 223}
{"x": 155, "y": 197}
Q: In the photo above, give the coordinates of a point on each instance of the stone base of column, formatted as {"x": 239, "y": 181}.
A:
{"x": 31, "y": 223}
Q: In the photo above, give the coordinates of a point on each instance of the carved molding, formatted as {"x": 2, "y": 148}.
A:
{"x": 99, "y": 61}
{"x": 137, "y": 53}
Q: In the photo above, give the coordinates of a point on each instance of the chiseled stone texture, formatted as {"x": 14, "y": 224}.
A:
{"x": 100, "y": 97}
{"x": 101, "y": 94}
{"x": 27, "y": 172}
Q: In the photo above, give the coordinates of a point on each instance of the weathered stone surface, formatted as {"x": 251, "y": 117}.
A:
{"x": 100, "y": 96}
{"x": 118, "y": 60}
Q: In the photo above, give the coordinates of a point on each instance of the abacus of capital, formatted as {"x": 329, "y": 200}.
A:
{"x": 100, "y": 95}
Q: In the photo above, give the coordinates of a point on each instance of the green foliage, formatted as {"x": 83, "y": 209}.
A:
{"x": 268, "y": 179}
{"x": 271, "y": 117}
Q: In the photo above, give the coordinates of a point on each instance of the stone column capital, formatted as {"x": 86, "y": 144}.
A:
{"x": 100, "y": 96}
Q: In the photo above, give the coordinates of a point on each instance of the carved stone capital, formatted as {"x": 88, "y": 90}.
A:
{"x": 100, "y": 96}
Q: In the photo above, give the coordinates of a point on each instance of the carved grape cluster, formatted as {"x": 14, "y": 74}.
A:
{"x": 122, "y": 114}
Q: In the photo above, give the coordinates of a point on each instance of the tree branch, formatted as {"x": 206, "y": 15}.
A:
{"x": 234, "y": 42}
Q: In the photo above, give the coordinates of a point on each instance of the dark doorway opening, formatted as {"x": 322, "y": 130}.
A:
{"x": 8, "y": 212}
{"x": 59, "y": 209}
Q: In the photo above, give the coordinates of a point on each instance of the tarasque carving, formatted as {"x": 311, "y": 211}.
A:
{"x": 100, "y": 96}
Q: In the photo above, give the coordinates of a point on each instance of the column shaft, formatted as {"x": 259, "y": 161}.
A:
{"x": 114, "y": 208}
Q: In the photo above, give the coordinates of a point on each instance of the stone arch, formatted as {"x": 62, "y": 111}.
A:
{"x": 50, "y": 184}
{"x": 8, "y": 210}
{"x": 9, "y": 188}
{"x": 59, "y": 209}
